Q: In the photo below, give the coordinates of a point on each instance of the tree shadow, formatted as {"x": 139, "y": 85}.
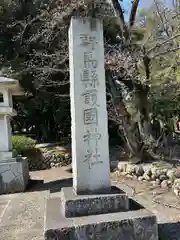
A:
{"x": 169, "y": 231}
{"x": 53, "y": 186}
{"x": 112, "y": 169}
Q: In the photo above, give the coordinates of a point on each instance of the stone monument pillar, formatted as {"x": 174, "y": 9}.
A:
{"x": 90, "y": 146}
{"x": 92, "y": 208}
{"x": 14, "y": 174}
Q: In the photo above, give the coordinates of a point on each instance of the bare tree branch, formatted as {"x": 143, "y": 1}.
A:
{"x": 165, "y": 52}
{"x": 164, "y": 42}
{"x": 134, "y": 8}
{"x": 161, "y": 18}
{"x": 120, "y": 15}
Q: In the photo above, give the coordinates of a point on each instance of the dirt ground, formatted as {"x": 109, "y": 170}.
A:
{"x": 22, "y": 214}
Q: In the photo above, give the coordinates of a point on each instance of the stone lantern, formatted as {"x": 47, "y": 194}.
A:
{"x": 14, "y": 173}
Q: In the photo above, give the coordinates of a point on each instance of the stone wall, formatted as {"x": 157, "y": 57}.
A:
{"x": 14, "y": 175}
{"x": 159, "y": 174}
{"x": 44, "y": 158}
{"x": 41, "y": 160}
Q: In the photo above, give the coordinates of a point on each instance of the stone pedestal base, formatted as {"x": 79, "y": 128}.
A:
{"x": 74, "y": 205}
{"x": 110, "y": 216}
{"x": 14, "y": 175}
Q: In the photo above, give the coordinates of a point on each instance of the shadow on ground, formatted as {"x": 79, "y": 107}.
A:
{"x": 53, "y": 186}
{"x": 112, "y": 169}
{"x": 169, "y": 231}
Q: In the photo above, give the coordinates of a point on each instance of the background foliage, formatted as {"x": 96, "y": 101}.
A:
{"x": 141, "y": 60}
{"x": 22, "y": 144}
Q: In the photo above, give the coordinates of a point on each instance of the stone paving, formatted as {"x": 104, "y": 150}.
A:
{"x": 22, "y": 214}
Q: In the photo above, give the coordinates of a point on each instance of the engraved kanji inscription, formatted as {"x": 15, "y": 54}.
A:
{"x": 88, "y": 157}
{"x": 96, "y": 158}
{"x": 89, "y": 61}
{"x": 94, "y": 78}
{"x": 90, "y": 97}
{"x": 93, "y": 24}
{"x": 91, "y": 136}
{"x": 90, "y": 116}
{"x": 88, "y": 41}
{"x": 87, "y": 137}
{"x": 92, "y": 155}
{"x": 90, "y": 78}
{"x": 85, "y": 77}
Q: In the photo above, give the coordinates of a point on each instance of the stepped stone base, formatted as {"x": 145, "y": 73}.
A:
{"x": 68, "y": 218}
{"x": 75, "y": 205}
{"x": 14, "y": 175}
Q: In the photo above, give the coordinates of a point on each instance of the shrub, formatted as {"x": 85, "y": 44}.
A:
{"x": 21, "y": 144}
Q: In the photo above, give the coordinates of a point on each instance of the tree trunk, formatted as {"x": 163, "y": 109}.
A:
{"x": 136, "y": 134}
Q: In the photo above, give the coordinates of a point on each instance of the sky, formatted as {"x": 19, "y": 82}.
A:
{"x": 127, "y": 3}
{"x": 143, "y": 4}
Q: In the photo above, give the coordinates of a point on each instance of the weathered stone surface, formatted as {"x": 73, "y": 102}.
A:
{"x": 14, "y": 175}
{"x": 153, "y": 177}
{"x": 163, "y": 177}
{"x": 146, "y": 177}
{"x": 90, "y": 148}
{"x": 141, "y": 178}
{"x": 170, "y": 183}
{"x": 177, "y": 173}
{"x": 158, "y": 175}
{"x": 8, "y": 87}
{"x": 148, "y": 172}
{"x": 136, "y": 225}
{"x": 131, "y": 169}
{"x": 52, "y": 165}
{"x": 170, "y": 174}
{"x": 176, "y": 187}
{"x": 122, "y": 166}
{"x": 155, "y": 184}
{"x": 164, "y": 184}
{"x": 43, "y": 159}
{"x": 114, "y": 164}
{"x": 164, "y": 171}
{"x": 139, "y": 171}
{"x": 83, "y": 205}
{"x": 156, "y": 172}
{"x": 158, "y": 181}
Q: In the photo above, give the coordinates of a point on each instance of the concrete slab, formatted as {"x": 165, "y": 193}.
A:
{"x": 24, "y": 216}
{"x": 18, "y": 233}
{"x": 74, "y": 205}
{"x": 3, "y": 207}
{"x": 137, "y": 225}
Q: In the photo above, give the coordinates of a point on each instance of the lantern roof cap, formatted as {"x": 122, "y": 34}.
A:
{"x": 11, "y": 84}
